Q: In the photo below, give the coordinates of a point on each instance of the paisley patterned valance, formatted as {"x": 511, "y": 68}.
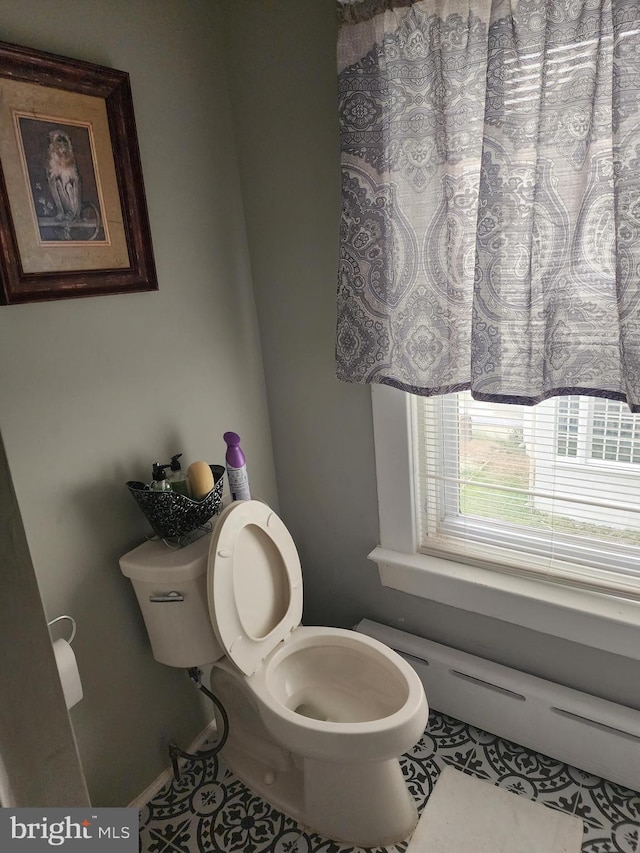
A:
{"x": 490, "y": 234}
{"x": 354, "y": 11}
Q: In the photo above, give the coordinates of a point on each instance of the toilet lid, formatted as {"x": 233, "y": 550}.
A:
{"x": 254, "y": 583}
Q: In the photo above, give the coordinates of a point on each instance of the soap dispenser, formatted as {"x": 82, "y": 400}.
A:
{"x": 159, "y": 482}
{"x": 177, "y": 478}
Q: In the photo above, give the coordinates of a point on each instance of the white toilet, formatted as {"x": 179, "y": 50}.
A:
{"x": 318, "y": 717}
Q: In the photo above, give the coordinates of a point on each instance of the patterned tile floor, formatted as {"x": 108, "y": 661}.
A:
{"x": 210, "y": 810}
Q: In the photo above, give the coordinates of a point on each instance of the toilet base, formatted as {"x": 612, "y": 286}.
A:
{"x": 365, "y": 805}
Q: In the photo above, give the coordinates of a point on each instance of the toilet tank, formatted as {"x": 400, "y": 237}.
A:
{"x": 171, "y": 587}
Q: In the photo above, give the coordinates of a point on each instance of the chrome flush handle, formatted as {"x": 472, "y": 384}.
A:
{"x": 174, "y": 595}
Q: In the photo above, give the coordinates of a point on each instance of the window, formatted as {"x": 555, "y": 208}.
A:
{"x": 526, "y": 515}
{"x": 551, "y": 490}
{"x": 614, "y": 433}
{"x": 567, "y": 426}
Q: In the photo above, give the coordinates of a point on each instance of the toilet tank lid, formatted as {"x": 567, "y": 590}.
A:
{"x": 154, "y": 561}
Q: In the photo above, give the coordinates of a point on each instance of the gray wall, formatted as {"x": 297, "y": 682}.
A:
{"x": 282, "y": 72}
{"x": 92, "y": 391}
{"x": 39, "y": 765}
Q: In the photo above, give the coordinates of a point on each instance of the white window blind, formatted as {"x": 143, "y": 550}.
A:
{"x": 551, "y": 490}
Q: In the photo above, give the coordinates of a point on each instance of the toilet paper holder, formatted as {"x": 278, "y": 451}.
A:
{"x": 67, "y": 665}
{"x": 73, "y": 626}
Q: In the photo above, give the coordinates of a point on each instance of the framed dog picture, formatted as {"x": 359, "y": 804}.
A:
{"x": 73, "y": 212}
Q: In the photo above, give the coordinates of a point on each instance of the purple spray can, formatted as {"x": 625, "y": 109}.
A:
{"x": 236, "y": 468}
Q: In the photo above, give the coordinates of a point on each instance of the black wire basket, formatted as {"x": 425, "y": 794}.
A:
{"x": 172, "y": 515}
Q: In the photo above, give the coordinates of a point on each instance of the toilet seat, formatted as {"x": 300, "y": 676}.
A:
{"x": 254, "y": 583}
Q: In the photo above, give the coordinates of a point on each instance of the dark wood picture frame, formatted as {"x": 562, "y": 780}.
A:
{"x": 47, "y": 250}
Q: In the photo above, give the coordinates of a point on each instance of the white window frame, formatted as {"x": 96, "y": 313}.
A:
{"x": 590, "y": 618}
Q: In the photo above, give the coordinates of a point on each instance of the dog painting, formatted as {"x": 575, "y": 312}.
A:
{"x": 63, "y": 180}
{"x": 63, "y": 176}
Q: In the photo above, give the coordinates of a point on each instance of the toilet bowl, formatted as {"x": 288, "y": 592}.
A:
{"x": 328, "y": 695}
{"x": 318, "y": 717}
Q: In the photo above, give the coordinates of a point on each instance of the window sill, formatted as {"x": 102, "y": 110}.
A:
{"x": 589, "y": 618}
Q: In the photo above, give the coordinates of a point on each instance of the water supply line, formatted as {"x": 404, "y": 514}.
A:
{"x": 175, "y": 752}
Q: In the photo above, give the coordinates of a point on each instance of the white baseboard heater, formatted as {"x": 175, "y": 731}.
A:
{"x": 592, "y": 734}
